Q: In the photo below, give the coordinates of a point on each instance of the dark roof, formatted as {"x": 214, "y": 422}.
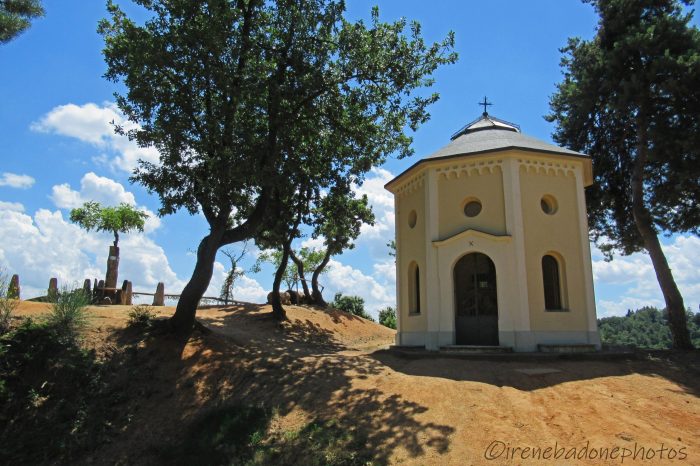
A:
{"x": 487, "y": 133}
{"x": 490, "y": 134}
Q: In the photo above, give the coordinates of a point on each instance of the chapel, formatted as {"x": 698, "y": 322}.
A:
{"x": 492, "y": 244}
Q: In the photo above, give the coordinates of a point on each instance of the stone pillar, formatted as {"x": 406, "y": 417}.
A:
{"x": 126, "y": 293}
{"x": 86, "y": 287}
{"x": 159, "y": 298}
{"x": 119, "y": 297}
{"x": 13, "y": 288}
{"x": 100, "y": 291}
{"x": 95, "y": 297}
{"x": 112, "y": 267}
{"x": 52, "y": 293}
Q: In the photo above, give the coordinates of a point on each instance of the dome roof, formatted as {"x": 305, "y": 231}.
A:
{"x": 488, "y": 133}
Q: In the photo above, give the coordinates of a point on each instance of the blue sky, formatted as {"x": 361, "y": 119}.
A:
{"x": 57, "y": 150}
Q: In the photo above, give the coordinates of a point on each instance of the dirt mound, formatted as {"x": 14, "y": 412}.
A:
{"x": 317, "y": 370}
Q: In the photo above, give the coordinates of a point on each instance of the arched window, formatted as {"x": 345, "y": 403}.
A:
{"x": 413, "y": 289}
{"x": 552, "y": 283}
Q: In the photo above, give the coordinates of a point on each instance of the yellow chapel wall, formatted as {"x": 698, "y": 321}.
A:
{"x": 559, "y": 234}
{"x": 482, "y": 182}
{"x": 411, "y": 247}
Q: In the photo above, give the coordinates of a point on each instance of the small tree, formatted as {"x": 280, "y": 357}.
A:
{"x": 307, "y": 259}
{"x": 353, "y": 304}
{"x": 16, "y": 16}
{"x": 120, "y": 219}
{"x": 338, "y": 219}
{"x": 8, "y": 302}
{"x": 387, "y": 317}
{"x": 233, "y": 274}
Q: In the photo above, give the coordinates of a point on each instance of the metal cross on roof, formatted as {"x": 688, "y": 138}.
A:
{"x": 485, "y": 103}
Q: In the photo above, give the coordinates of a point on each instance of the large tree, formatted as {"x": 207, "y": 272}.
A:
{"x": 630, "y": 99}
{"x": 235, "y": 94}
{"x": 16, "y": 16}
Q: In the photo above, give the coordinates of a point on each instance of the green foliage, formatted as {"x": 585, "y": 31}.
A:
{"x": 120, "y": 219}
{"x": 243, "y": 435}
{"x": 68, "y": 314}
{"x": 387, "y": 317}
{"x": 353, "y": 304}
{"x": 8, "y": 303}
{"x": 227, "y": 435}
{"x": 141, "y": 315}
{"x": 392, "y": 248}
{"x": 258, "y": 107}
{"x": 640, "y": 72}
{"x": 290, "y": 276}
{"x": 45, "y": 381}
{"x": 644, "y": 328}
{"x": 16, "y": 16}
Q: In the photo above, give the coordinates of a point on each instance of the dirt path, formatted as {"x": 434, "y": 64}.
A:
{"x": 413, "y": 411}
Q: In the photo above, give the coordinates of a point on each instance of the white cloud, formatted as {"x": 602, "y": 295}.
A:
{"x": 14, "y": 206}
{"x": 47, "y": 245}
{"x": 14, "y": 180}
{"x": 634, "y": 279}
{"x": 377, "y": 292}
{"x": 94, "y": 125}
{"x": 382, "y": 202}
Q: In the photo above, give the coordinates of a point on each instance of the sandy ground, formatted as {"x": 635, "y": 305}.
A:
{"x": 435, "y": 411}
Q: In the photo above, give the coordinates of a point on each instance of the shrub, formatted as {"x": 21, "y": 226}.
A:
{"x": 68, "y": 316}
{"x": 141, "y": 316}
{"x": 8, "y": 303}
{"x": 387, "y": 317}
{"x": 352, "y": 304}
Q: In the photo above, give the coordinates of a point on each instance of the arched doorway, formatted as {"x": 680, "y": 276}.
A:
{"x": 476, "y": 304}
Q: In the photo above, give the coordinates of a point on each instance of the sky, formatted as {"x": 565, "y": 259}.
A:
{"x": 58, "y": 150}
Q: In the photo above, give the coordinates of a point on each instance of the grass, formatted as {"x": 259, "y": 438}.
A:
{"x": 141, "y": 316}
{"x": 68, "y": 314}
{"x": 244, "y": 436}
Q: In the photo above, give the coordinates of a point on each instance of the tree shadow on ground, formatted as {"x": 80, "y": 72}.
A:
{"x": 682, "y": 368}
{"x": 170, "y": 381}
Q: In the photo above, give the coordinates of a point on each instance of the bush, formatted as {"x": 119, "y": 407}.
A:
{"x": 8, "y": 303}
{"x": 141, "y": 316}
{"x": 387, "y": 317}
{"x": 352, "y": 304}
{"x": 68, "y": 316}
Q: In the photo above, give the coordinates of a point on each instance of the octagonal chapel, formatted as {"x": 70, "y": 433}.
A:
{"x": 492, "y": 243}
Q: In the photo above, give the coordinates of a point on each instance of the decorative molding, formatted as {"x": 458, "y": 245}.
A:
{"x": 475, "y": 168}
{"x": 411, "y": 185}
{"x": 549, "y": 167}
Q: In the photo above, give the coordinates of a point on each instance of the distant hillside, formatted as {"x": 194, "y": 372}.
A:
{"x": 645, "y": 328}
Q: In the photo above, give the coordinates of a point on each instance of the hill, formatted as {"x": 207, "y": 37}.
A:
{"x": 319, "y": 390}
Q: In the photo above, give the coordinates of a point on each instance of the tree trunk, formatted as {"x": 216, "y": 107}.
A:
{"x": 642, "y": 219}
{"x": 300, "y": 271}
{"x": 184, "y": 318}
{"x": 317, "y": 296}
{"x": 277, "y": 310}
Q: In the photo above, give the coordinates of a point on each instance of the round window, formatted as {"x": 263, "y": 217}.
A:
{"x": 412, "y": 218}
{"x": 472, "y": 208}
{"x": 548, "y": 204}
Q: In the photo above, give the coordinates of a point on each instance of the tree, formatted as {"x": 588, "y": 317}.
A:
{"x": 338, "y": 218}
{"x": 629, "y": 99}
{"x": 237, "y": 96}
{"x": 307, "y": 259}
{"x": 119, "y": 219}
{"x": 16, "y": 16}
{"x": 387, "y": 317}
{"x": 354, "y": 305}
{"x": 234, "y": 272}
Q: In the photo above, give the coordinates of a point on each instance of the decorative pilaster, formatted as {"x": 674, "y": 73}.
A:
{"x": 430, "y": 275}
